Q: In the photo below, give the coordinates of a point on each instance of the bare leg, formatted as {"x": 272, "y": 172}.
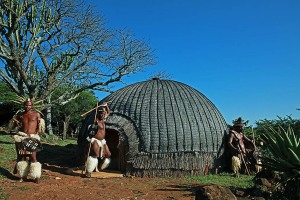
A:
{"x": 33, "y": 157}
{"x": 18, "y": 159}
{"x": 107, "y": 151}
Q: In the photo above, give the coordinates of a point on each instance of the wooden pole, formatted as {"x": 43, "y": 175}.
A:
{"x": 243, "y": 160}
{"x": 92, "y": 109}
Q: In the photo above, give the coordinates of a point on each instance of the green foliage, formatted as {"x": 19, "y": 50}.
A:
{"x": 73, "y": 109}
{"x": 226, "y": 180}
{"x": 6, "y": 94}
{"x": 84, "y": 102}
{"x": 284, "y": 122}
{"x": 284, "y": 147}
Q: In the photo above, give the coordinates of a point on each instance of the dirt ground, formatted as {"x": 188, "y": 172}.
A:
{"x": 61, "y": 180}
{"x": 62, "y": 183}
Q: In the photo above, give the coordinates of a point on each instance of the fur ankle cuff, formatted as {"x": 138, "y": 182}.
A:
{"x": 23, "y": 168}
{"x": 35, "y": 170}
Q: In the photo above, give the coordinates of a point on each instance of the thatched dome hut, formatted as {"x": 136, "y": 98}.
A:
{"x": 162, "y": 128}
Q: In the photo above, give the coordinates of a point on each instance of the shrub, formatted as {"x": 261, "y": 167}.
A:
{"x": 284, "y": 148}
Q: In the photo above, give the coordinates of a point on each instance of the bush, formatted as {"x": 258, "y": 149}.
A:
{"x": 284, "y": 148}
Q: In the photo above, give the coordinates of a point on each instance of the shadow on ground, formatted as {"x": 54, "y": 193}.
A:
{"x": 63, "y": 156}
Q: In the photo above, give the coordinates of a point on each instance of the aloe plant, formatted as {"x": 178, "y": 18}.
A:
{"x": 284, "y": 147}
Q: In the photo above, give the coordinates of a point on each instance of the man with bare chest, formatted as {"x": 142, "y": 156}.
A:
{"x": 29, "y": 124}
{"x": 236, "y": 144}
{"x": 98, "y": 147}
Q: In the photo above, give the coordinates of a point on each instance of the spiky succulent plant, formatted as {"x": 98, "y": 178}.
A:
{"x": 284, "y": 148}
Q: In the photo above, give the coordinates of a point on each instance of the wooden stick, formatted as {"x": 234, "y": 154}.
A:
{"x": 243, "y": 160}
{"x": 92, "y": 109}
{"x": 253, "y": 136}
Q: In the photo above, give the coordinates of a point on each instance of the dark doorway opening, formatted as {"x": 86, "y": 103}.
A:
{"x": 117, "y": 149}
{"x": 112, "y": 140}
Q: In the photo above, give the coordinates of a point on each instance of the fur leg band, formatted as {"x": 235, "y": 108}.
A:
{"x": 23, "y": 168}
{"x": 235, "y": 164}
{"x": 91, "y": 164}
{"x": 105, "y": 163}
{"x": 35, "y": 170}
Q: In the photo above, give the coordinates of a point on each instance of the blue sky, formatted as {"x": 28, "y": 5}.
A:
{"x": 243, "y": 55}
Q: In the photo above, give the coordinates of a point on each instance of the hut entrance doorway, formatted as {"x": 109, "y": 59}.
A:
{"x": 112, "y": 138}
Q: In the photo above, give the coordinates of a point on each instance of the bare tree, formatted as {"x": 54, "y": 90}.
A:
{"x": 160, "y": 75}
{"x": 45, "y": 44}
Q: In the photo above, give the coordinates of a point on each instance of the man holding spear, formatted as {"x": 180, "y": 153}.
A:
{"x": 236, "y": 142}
{"x": 97, "y": 143}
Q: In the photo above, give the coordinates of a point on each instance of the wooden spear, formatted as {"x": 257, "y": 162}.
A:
{"x": 93, "y": 109}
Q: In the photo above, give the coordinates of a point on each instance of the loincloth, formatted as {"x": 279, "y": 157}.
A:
{"x": 101, "y": 144}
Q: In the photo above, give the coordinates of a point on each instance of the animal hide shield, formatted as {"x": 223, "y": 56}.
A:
{"x": 92, "y": 130}
{"x": 32, "y": 145}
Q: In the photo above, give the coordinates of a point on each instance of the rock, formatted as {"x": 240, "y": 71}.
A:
{"x": 214, "y": 192}
{"x": 263, "y": 182}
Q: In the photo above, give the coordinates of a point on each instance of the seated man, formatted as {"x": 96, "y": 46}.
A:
{"x": 98, "y": 147}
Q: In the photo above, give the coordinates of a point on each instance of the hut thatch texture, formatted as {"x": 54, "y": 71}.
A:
{"x": 165, "y": 128}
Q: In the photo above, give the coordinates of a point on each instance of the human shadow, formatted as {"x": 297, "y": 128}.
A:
{"x": 58, "y": 158}
{"x": 2, "y": 142}
{"x": 7, "y": 174}
{"x": 6, "y": 133}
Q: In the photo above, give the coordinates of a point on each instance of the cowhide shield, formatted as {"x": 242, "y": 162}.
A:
{"x": 32, "y": 145}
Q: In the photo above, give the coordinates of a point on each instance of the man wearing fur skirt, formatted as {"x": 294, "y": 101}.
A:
{"x": 241, "y": 147}
{"x": 27, "y": 140}
{"x": 97, "y": 143}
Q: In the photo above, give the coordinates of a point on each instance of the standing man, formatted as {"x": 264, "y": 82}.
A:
{"x": 236, "y": 143}
{"x": 98, "y": 147}
{"x": 27, "y": 142}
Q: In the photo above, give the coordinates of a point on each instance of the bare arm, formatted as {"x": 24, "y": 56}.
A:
{"x": 231, "y": 136}
{"x": 38, "y": 128}
{"x": 107, "y": 108}
{"x": 17, "y": 120}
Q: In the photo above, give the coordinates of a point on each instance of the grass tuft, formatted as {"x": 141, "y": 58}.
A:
{"x": 226, "y": 180}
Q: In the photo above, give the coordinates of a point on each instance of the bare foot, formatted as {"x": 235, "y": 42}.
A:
{"x": 88, "y": 175}
{"x": 37, "y": 180}
{"x": 20, "y": 180}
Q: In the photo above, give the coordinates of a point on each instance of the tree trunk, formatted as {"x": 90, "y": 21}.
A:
{"x": 49, "y": 119}
{"x": 66, "y": 126}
